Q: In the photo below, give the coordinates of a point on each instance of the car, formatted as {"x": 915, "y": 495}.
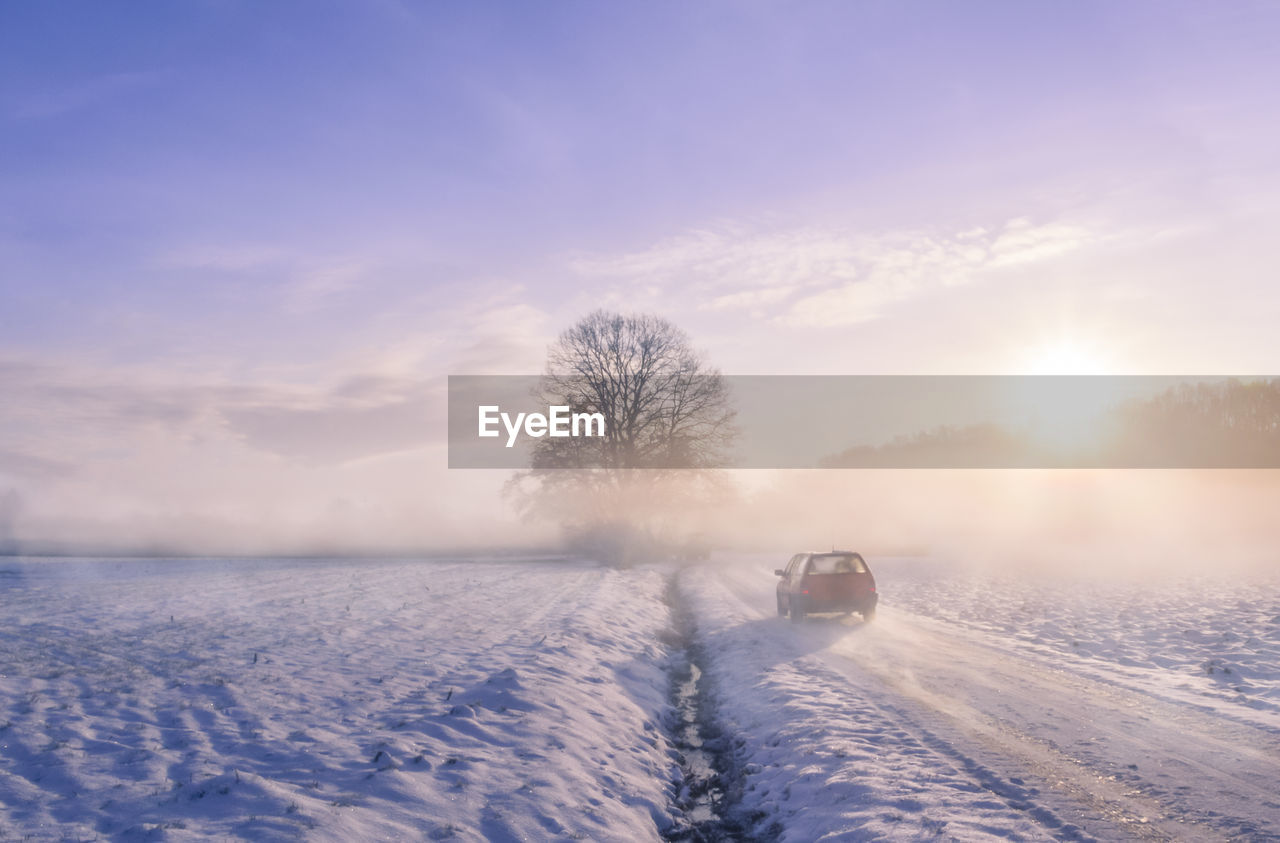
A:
{"x": 817, "y": 583}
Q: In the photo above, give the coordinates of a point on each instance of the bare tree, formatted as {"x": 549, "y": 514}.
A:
{"x": 668, "y": 422}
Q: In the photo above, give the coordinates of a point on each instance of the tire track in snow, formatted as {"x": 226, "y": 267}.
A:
{"x": 1090, "y": 739}
{"x": 825, "y": 755}
{"x": 944, "y": 727}
{"x": 1155, "y": 768}
{"x": 1011, "y": 788}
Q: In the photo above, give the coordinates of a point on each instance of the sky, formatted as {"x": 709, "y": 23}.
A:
{"x": 242, "y": 245}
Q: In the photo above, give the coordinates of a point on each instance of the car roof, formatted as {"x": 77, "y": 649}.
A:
{"x": 834, "y": 553}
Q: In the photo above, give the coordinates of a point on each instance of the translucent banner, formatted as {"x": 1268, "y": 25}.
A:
{"x": 762, "y": 421}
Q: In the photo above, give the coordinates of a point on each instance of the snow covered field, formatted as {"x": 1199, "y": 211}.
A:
{"x": 334, "y": 700}
{"x": 531, "y": 700}
{"x": 1211, "y": 640}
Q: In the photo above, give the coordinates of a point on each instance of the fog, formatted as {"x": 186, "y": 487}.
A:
{"x": 1088, "y": 522}
{"x": 1092, "y": 522}
{"x": 93, "y": 465}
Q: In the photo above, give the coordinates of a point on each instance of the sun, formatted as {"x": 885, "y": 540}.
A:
{"x": 1069, "y": 400}
{"x": 1067, "y": 357}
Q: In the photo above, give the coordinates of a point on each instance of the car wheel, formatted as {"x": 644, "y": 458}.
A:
{"x": 797, "y": 613}
{"x": 782, "y": 610}
{"x": 868, "y": 615}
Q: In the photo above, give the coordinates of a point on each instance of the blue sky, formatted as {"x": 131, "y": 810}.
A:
{"x": 224, "y": 220}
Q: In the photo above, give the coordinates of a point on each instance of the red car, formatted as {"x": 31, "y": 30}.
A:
{"x": 814, "y": 583}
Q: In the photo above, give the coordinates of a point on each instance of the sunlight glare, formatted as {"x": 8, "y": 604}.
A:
{"x": 1067, "y": 357}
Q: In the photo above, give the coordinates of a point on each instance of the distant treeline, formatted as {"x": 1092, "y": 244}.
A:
{"x": 1223, "y": 424}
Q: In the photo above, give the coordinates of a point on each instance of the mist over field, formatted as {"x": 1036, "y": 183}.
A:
{"x": 1089, "y": 522}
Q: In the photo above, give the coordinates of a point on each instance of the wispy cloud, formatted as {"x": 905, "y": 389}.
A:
{"x": 381, "y": 399}
{"x": 361, "y": 418}
{"x": 23, "y": 465}
{"x": 61, "y": 417}
{"x": 753, "y": 300}
{"x": 731, "y": 256}
{"x": 103, "y": 452}
{"x": 306, "y": 279}
{"x": 314, "y": 285}
{"x": 822, "y": 276}
{"x": 1021, "y": 241}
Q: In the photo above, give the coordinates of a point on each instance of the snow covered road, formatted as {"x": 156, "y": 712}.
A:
{"x": 914, "y": 726}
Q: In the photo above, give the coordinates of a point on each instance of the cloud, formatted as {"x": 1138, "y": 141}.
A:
{"x": 16, "y": 464}
{"x": 731, "y": 257}
{"x": 895, "y": 268}
{"x": 313, "y": 285}
{"x": 49, "y": 408}
{"x": 305, "y": 280}
{"x": 1023, "y": 242}
{"x": 753, "y": 299}
{"x": 64, "y": 417}
{"x": 64, "y": 421}
{"x": 134, "y": 457}
{"x": 823, "y": 276}
{"x": 249, "y": 456}
{"x": 363, "y": 417}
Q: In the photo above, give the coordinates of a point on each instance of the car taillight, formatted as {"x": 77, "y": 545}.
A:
{"x": 806, "y": 591}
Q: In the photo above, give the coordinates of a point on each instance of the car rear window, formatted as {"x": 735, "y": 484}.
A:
{"x": 837, "y": 563}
